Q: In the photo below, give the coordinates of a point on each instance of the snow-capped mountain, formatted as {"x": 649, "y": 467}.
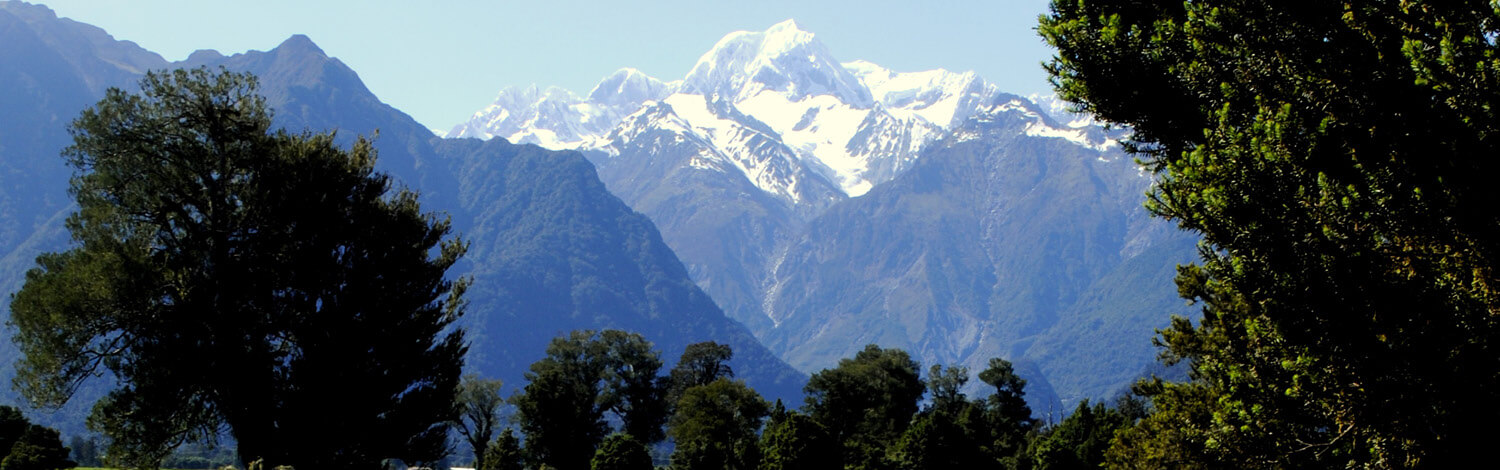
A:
{"x": 853, "y": 124}
{"x": 827, "y": 205}
{"x": 556, "y": 118}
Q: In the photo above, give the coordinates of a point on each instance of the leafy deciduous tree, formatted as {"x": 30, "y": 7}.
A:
{"x": 479, "y": 404}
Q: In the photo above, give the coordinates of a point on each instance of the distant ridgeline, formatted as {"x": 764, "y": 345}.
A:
{"x": 830, "y": 205}
{"x": 551, "y": 249}
{"x": 837, "y": 206}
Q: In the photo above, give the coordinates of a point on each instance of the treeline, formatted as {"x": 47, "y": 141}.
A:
{"x": 599, "y": 401}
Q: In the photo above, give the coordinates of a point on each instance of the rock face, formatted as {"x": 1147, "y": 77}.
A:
{"x": 827, "y": 205}
{"x": 551, "y": 249}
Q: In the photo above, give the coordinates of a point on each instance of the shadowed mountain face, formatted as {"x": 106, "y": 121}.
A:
{"x": 551, "y": 249}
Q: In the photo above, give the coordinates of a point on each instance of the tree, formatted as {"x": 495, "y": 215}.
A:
{"x": 700, "y": 364}
{"x": 1080, "y": 440}
{"x": 621, "y": 452}
{"x": 1336, "y": 157}
{"x": 715, "y": 427}
{"x": 479, "y": 404}
{"x": 1007, "y": 417}
{"x": 233, "y": 276}
{"x": 585, "y": 375}
{"x": 938, "y": 438}
{"x": 794, "y": 441}
{"x": 39, "y": 448}
{"x": 12, "y": 425}
{"x": 504, "y": 454}
{"x": 866, "y": 402}
{"x": 633, "y": 391}
{"x": 26, "y": 446}
{"x": 559, "y": 411}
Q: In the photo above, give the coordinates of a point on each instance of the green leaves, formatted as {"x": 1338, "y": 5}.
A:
{"x": 233, "y": 276}
{"x": 1331, "y": 156}
{"x": 583, "y": 376}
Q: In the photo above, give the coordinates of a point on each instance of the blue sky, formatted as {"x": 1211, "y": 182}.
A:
{"x": 442, "y": 60}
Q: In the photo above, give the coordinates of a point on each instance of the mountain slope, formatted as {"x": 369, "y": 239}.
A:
{"x": 589, "y": 246}
{"x": 554, "y": 251}
{"x": 996, "y": 244}
{"x": 828, "y": 205}
{"x": 637, "y": 289}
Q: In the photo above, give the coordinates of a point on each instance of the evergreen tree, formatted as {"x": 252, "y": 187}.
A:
{"x": 793, "y": 441}
{"x": 1080, "y": 440}
{"x": 12, "y": 425}
{"x": 231, "y": 275}
{"x": 633, "y": 391}
{"x": 559, "y": 411}
{"x": 866, "y": 402}
{"x": 504, "y": 454}
{"x": 621, "y": 452}
{"x": 1007, "y": 417}
{"x": 715, "y": 427}
{"x": 39, "y": 448}
{"x": 1337, "y": 158}
{"x": 585, "y": 375}
{"x": 700, "y": 364}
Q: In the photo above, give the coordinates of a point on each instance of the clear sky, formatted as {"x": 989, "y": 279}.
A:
{"x": 440, "y": 61}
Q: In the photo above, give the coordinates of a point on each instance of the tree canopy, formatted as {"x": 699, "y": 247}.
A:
{"x": 1338, "y": 160}
{"x": 231, "y": 275}
{"x": 866, "y": 402}
{"x": 585, "y": 375}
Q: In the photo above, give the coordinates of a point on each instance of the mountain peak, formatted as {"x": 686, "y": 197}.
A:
{"x": 788, "y": 34}
{"x": 783, "y": 59}
{"x": 300, "y": 43}
{"x": 628, "y": 86}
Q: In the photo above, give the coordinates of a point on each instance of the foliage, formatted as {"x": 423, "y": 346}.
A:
{"x": 793, "y": 440}
{"x": 1080, "y": 440}
{"x": 955, "y": 432}
{"x": 504, "y": 454}
{"x": 938, "y": 438}
{"x": 1336, "y": 157}
{"x": 230, "y": 275}
{"x": 715, "y": 427}
{"x": 621, "y": 452}
{"x": 632, "y": 389}
{"x": 584, "y": 375}
{"x": 559, "y": 410}
{"x": 700, "y": 364}
{"x": 12, "y": 426}
{"x": 26, "y": 446}
{"x": 866, "y": 402}
{"x": 479, "y": 404}
{"x": 1007, "y": 417}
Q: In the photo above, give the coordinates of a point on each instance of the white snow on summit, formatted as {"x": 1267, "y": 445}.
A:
{"x": 776, "y": 107}
{"x": 783, "y": 59}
